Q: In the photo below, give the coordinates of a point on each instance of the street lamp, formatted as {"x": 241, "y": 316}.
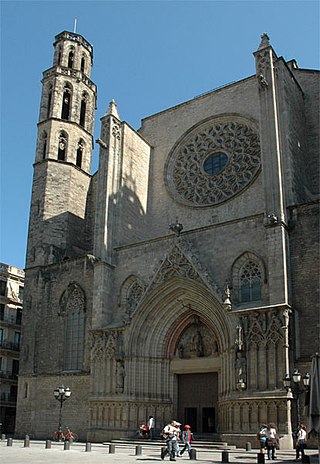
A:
{"x": 61, "y": 394}
{"x": 297, "y": 391}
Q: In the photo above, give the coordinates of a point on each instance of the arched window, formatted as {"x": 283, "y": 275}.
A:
{"x": 44, "y": 139}
{"x": 79, "y": 153}
{"x": 74, "y": 307}
{"x": 59, "y": 56}
{"x": 70, "y": 59}
{"x": 62, "y": 147}
{"x": 83, "y": 109}
{"x": 66, "y": 102}
{"x": 250, "y": 282}
{"x": 49, "y": 101}
{"x": 83, "y": 63}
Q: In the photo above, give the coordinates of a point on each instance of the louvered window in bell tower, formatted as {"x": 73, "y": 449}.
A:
{"x": 66, "y": 102}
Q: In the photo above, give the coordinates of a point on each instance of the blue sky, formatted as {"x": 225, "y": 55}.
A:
{"x": 148, "y": 56}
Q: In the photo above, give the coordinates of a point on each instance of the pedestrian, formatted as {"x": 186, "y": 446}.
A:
{"x": 151, "y": 425}
{"x": 301, "y": 441}
{"x": 170, "y": 433}
{"x": 271, "y": 440}
{"x": 144, "y": 430}
{"x": 186, "y": 436}
{"x": 262, "y": 437}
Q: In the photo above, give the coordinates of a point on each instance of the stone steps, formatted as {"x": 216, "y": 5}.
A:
{"x": 200, "y": 444}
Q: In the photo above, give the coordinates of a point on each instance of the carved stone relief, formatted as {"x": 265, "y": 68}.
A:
{"x": 188, "y": 181}
{"x": 196, "y": 342}
{"x": 107, "y": 345}
{"x": 176, "y": 264}
{"x": 72, "y": 299}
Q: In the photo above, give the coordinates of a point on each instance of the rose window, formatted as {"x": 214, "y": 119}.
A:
{"x": 214, "y": 162}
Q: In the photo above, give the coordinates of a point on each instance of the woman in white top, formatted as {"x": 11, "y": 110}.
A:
{"x": 301, "y": 441}
{"x": 271, "y": 440}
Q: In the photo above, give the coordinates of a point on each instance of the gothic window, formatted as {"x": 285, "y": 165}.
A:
{"x": 134, "y": 295}
{"x": 66, "y": 102}
{"x": 213, "y": 162}
{"x": 74, "y": 340}
{"x": 70, "y": 59}
{"x": 248, "y": 279}
{"x": 250, "y": 282}
{"x": 49, "y": 101}
{"x": 83, "y": 109}
{"x": 74, "y": 328}
{"x": 59, "y": 56}
{"x": 131, "y": 293}
{"x": 44, "y": 139}
{"x": 62, "y": 147}
{"x": 79, "y": 153}
{"x": 83, "y": 63}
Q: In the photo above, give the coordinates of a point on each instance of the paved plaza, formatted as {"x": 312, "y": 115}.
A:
{"x": 37, "y": 453}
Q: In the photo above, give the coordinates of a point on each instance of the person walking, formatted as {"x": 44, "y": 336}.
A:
{"x": 262, "y": 437}
{"x": 301, "y": 441}
{"x": 271, "y": 440}
{"x": 151, "y": 426}
{"x": 187, "y": 436}
{"x": 170, "y": 433}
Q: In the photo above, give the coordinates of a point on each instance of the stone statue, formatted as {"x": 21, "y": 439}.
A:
{"x": 197, "y": 344}
{"x": 241, "y": 369}
{"x": 239, "y": 338}
{"x": 120, "y": 376}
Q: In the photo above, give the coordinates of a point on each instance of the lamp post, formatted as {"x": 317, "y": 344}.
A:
{"x": 61, "y": 394}
{"x": 296, "y": 390}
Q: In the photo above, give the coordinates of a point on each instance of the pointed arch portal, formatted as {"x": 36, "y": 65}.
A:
{"x": 183, "y": 328}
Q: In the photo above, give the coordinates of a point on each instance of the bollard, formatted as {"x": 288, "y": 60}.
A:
{"x": 48, "y": 444}
{"x": 138, "y": 450}
{"x": 193, "y": 454}
{"x": 9, "y": 442}
{"x": 88, "y": 446}
{"x": 260, "y": 458}
{"x": 248, "y": 446}
{"x": 112, "y": 449}
{"x": 27, "y": 441}
{"x": 66, "y": 445}
{"x": 3, "y": 436}
{"x": 225, "y": 456}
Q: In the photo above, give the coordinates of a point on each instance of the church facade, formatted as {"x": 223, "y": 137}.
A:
{"x": 181, "y": 279}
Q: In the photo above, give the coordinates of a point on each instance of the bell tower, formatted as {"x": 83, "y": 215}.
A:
{"x": 63, "y": 154}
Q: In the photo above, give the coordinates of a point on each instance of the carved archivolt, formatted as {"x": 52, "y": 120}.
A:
{"x": 233, "y": 138}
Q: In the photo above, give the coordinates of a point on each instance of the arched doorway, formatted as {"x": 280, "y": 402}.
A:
{"x": 178, "y": 340}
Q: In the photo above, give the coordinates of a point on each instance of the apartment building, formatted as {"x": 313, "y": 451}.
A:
{"x": 11, "y": 298}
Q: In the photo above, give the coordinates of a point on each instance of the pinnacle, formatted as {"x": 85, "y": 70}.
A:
{"x": 112, "y": 110}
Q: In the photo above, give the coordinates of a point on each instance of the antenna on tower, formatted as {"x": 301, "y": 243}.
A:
{"x": 75, "y": 25}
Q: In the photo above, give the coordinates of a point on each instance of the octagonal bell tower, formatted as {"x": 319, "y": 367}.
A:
{"x": 63, "y": 154}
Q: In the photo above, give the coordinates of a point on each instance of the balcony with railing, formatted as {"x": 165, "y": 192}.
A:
{"x": 8, "y": 345}
{"x": 8, "y": 375}
{"x": 7, "y": 398}
{"x": 10, "y": 319}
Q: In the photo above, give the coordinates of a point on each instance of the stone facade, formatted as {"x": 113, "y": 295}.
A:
{"x": 183, "y": 265}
